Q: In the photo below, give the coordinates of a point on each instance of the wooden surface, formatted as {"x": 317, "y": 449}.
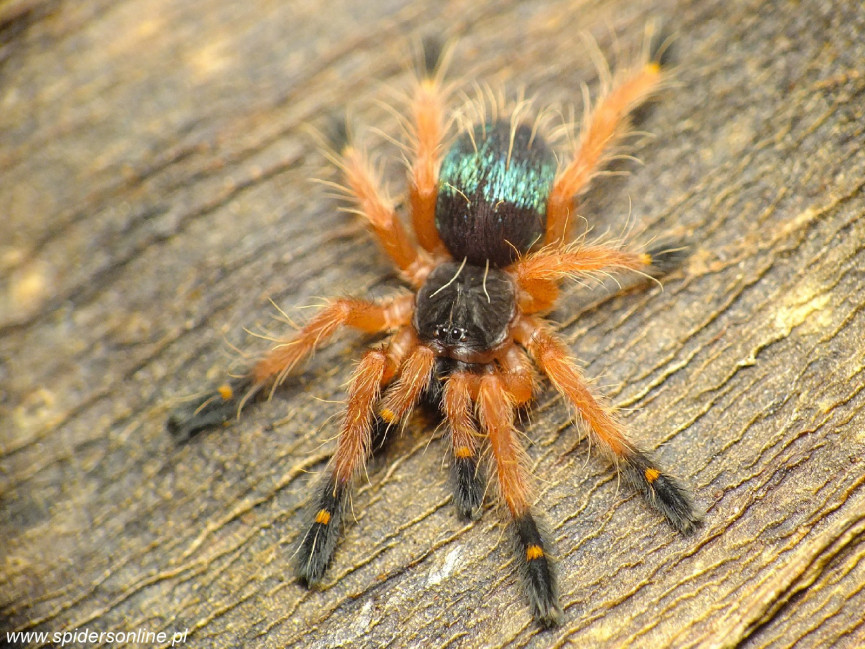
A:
{"x": 154, "y": 169}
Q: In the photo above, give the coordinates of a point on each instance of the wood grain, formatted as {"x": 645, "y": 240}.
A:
{"x": 155, "y": 159}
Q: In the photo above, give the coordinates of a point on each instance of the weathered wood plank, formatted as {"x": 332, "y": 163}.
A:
{"x": 155, "y": 169}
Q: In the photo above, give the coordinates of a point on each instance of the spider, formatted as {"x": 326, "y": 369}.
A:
{"x": 490, "y": 209}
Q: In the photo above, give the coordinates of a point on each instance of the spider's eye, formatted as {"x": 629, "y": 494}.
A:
{"x": 450, "y": 334}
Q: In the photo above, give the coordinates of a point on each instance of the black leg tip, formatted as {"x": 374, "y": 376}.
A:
{"x": 185, "y": 423}
{"x": 211, "y": 411}
{"x": 432, "y": 53}
{"x": 468, "y": 488}
{"x": 539, "y": 578}
{"x": 317, "y": 547}
{"x": 673, "y": 500}
{"x": 335, "y": 132}
{"x": 543, "y": 599}
{"x": 667, "y": 258}
{"x": 315, "y": 555}
{"x": 316, "y": 552}
{"x": 660, "y": 46}
{"x": 664, "y": 493}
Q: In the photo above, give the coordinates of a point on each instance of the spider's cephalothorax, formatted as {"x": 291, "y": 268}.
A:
{"x": 464, "y": 312}
{"x": 492, "y": 246}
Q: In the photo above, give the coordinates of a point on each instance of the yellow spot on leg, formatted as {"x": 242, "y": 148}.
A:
{"x": 463, "y": 451}
{"x": 646, "y": 259}
{"x": 322, "y": 517}
{"x": 388, "y": 415}
{"x": 534, "y": 552}
{"x": 652, "y": 475}
{"x": 225, "y": 391}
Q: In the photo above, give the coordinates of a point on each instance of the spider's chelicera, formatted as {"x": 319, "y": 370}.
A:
{"x": 491, "y": 222}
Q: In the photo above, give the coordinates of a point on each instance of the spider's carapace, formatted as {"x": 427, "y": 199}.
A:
{"x": 491, "y": 215}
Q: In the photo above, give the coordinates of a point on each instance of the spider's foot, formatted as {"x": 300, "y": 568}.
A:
{"x": 210, "y": 411}
{"x": 660, "y": 50}
{"x": 318, "y": 545}
{"x": 432, "y": 48}
{"x": 468, "y": 488}
{"x": 662, "y": 492}
{"x": 666, "y": 258}
{"x": 335, "y": 133}
{"x": 538, "y": 575}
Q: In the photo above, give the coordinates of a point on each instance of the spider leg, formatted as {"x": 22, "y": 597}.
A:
{"x": 230, "y": 397}
{"x": 457, "y": 405}
{"x": 538, "y": 275}
{"x": 496, "y": 414}
{"x": 517, "y": 375}
{"x": 415, "y": 375}
{"x": 661, "y": 491}
{"x": 603, "y": 128}
{"x": 379, "y": 213}
{"x": 368, "y": 317}
{"x": 428, "y": 131}
{"x": 376, "y": 369}
{"x": 461, "y": 389}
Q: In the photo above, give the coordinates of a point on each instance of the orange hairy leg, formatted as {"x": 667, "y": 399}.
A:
{"x": 663, "y": 492}
{"x": 553, "y": 358}
{"x": 457, "y": 406}
{"x": 369, "y": 317}
{"x": 428, "y": 131}
{"x": 496, "y": 414}
{"x": 414, "y": 378}
{"x": 601, "y": 131}
{"x": 376, "y": 368}
{"x": 538, "y": 275}
{"x": 379, "y": 213}
{"x": 515, "y": 385}
{"x": 230, "y": 397}
{"x": 355, "y": 436}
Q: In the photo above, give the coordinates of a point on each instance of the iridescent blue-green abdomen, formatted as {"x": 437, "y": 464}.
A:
{"x": 492, "y": 195}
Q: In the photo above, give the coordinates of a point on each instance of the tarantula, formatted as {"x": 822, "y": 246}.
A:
{"x": 491, "y": 222}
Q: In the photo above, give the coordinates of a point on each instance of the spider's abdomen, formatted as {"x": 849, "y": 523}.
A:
{"x": 492, "y": 193}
